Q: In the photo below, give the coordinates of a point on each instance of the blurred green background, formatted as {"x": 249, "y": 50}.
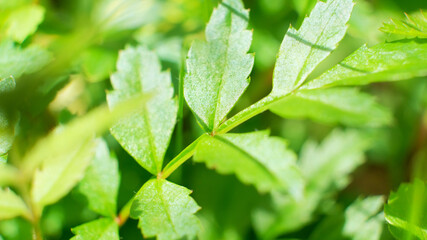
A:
{"x": 84, "y": 38}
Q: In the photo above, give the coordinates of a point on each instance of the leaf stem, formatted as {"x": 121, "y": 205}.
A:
{"x": 246, "y": 114}
{"x": 124, "y": 213}
{"x": 180, "y": 158}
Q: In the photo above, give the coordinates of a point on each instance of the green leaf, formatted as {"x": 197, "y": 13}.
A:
{"x": 60, "y": 173}
{"x": 218, "y": 68}
{"x": 415, "y": 25}
{"x": 7, "y": 126}
{"x": 101, "y": 229}
{"x": 8, "y": 174}
{"x": 121, "y": 15}
{"x": 11, "y": 205}
{"x": 326, "y": 168}
{"x": 145, "y": 134}
{"x": 165, "y": 210}
{"x": 383, "y": 62}
{"x": 255, "y": 158}
{"x": 406, "y": 211}
{"x": 16, "y": 61}
{"x": 336, "y": 105}
{"x": 23, "y": 21}
{"x": 302, "y": 50}
{"x": 361, "y": 221}
{"x": 101, "y": 181}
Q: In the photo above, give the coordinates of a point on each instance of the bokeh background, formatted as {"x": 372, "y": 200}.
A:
{"x": 84, "y": 38}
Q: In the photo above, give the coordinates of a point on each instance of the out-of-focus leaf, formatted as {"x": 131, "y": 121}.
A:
{"x": 255, "y": 158}
{"x": 336, "y": 105}
{"x": 165, "y": 210}
{"x": 23, "y": 21}
{"x": 415, "y": 25}
{"x": 146, "y": 134}
{"x": 120, "y": 15}
{"x": 406, "y": 211}
{"x": 98, "y": 64}
{"x": 60, "y": 173}
{"x": 361, "y": 221}
{"x": 326, "y": 168}
{"x": 8, "y": 174}
{"x": 11, "y": 205}
{"x": 302, "y": 50}
{"x": 16, "y": 229}
{"x": 101, "y": 181}
{"x": 218, "y": 68}
{"x": 7, "y": 126}
{"x": 383, "y": 62}
{"x": 15, "y": 61}
{"x": 101, "y": 229}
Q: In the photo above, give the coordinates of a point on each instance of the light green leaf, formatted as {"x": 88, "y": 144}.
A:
{"x": 146, "y": 134}
{"x": 60, "y": 173}
{"x": 218, "y": 68}
{"x": 255, "y": 158}
{"x": 415, "y": 25}
{"x": 326, "y": 168}
{"x": 336, "y": 105}
{"x": 165, "y": 210}
{"x": 101, "y": 181}
{"x": 406, "y": 211}
{"x": 121, "y": 15}
{"x": 101, "y": 229}
{"x": 383, "y": 62}
{"x": 7, "y": 126}
{"x": 15, "y": 61}
{"x": 8, "y": 174}
{"x": 302, "y": 50}
{"x": 361, "y": 221}
{"x": 23, "y": 21}
{"x": 11, "y": 205}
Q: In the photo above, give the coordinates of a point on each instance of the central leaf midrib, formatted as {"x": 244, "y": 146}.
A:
{"x": 297, "y": 80}
{"x": 249, "y": 156}
{"x": 145, "y": 115}
{"x": 165, "y": 207}
{"x": 225, "y": 64}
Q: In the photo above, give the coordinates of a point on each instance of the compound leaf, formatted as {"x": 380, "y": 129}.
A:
{"x": 335, "y": 105}
{"x": 101, "y": 229}
{"x": 383, "y": 62}
{"x": 15, "y": 61}
{"x": 415, "y": 25}
{"x": 326, "y": 168}
{"x": 302, "y": 50}
{"x": 165, "y": 210}
{"x": 11, "y": 205}
{"x": 101, "y": 181}
{"x": 23, "y": 21}
{"x": 255, "y": 158}
{"x": 218, "y": 68}
{"x": 145, "y": 134}
{"x": 406, "y": 211}
{"x": 60, "y": 173}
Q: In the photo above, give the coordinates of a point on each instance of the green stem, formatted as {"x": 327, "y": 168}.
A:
{"x": 124, "y": 213}
{"x": 180, "y": 158}
{"x": 248, "y": 113}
